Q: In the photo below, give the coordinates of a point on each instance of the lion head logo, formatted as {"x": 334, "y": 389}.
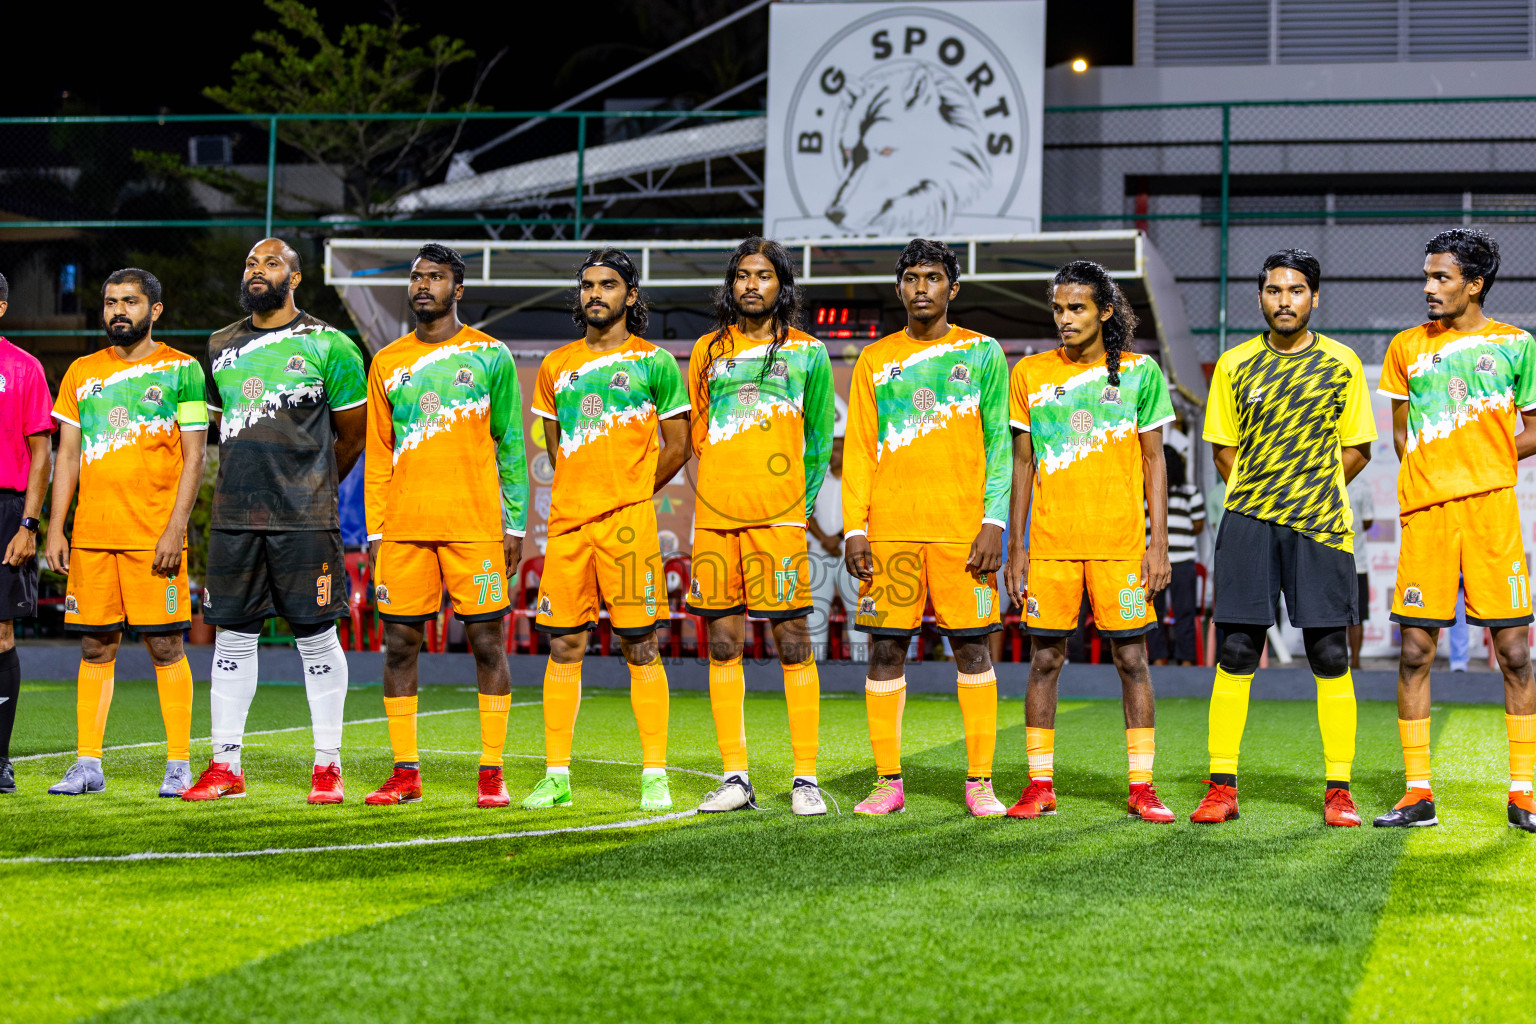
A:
{"x": 960, "y": 374}
{"x": 1031, "y": 608}
{"x": 71, "y": 606}
{"x": 1485, "y": 364}
{"x": 1111, "y": 395}
{"x": 544, "y": 608}
{"x": 780, "y": 369}
{"x": 381, "y": 594}
{"x": 866, "y": 606}
{"x": 295, "y": 364}
{"x": 465, "y": 378}
{"x": 153, "y": 395}
{"x": 619, "y": 381}
{"x": 1413, "y": 597}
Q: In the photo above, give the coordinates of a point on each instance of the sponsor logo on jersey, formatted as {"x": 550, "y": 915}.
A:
{"x": 961, "y": 374}
{"x": 153, "y": 395}
{"x": 1437, "y": 359}
{"x": 1061, "y": 392}
{"x": 465, "y": 378}
{"x": 95, "y": 387}
{"x": 381, "y": 594}
{"x": 405, "y": 377}
{"x": 620, "y": 381}
{"x": 1413, "y": 597}
{"x": 295, "y": 364}
{"x": 747, "y": 394}
{"x": 1032, "y": 608}
{"x": 1082, "y": 421}
{"x": 1457, "y": 389}
{"x": 429, "y": 403}
{"x": 1485, "y": 364}
{"x": 895, "y": 374}
{"x": 1111, "y": 395}
{"x": 1514, "y": 566}
{"x": 119, "y": 417}
{"x": 544, "y": 608}
{"x": 923, "y": 399}
{"x": 253, "y": 388}
{"x": 71, "y": 606}
{"x": 866, "y": 606}
{"x": 1254, "y": 395}
{"x": 592, "y": 405}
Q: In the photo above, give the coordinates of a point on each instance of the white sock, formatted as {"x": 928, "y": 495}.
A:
{"x": 653, "y": 771}
{"x": 325, "y": 681}
{"x": 557, "y": 771}
{"x": 234, "y": 687}
{"x": 93, "y": 762}
{"x": 1514, "y": 787}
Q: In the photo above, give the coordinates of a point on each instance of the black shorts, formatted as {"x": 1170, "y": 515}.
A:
{"x": 18, "y": 584}
{"x": 1256, "y": 560}
{"x": 1363, "y": 598}
{"x": 300, "y": 576}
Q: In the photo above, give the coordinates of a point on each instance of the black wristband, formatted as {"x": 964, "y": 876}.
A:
{"x": 29, "y": 523}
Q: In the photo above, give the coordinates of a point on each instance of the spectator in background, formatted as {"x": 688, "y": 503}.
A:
{"x": 829, "y": 578}
{"x": 1186, "y": 520}
{"x": 1364, "y": 510}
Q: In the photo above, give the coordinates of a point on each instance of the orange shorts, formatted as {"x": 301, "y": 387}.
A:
{"x": 910, "y": 573}
{"x": 108, "y": 590}
{"x": 1054, "y": 598}
{"x": 758, "y": 569}
{"x": 614, "y": 560}
{"x": 1474, "y": 540}
{"x": 411, "y": 574}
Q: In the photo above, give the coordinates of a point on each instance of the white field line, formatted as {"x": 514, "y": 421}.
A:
{"x": 264, "y": 732}
{"x": 589, "y": 760}
{"x": 340, "y": 848}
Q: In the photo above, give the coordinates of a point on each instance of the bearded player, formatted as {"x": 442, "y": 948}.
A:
{"x": 1088, "y": 459}
{"x": 1459, "y": 385}
{"x": 287, "y": 392}
{"x": 133, "y": 421}
{"x": 603, "y": 398}
{"x": 447, "y": 497}
{"x": 925, "y": 496}
{"x": 1289, "y": 422}
{"x": 761, "y": 394}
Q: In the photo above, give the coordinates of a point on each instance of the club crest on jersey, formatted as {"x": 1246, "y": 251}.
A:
{"x": 381, "y": 594}
{"x": 866, "y": 606}
{"x": 465, "y": 378}
{"x": 747, "y": 394}
{"x": 1485, "y": 364}
{"x": 695, "y": 591}
{"x": 1111, "y": 395}
{"x": 295, "y": 364}
{"x": 71, "y": 606}
{"x": 779, "y": 369}
{"x": 253, "y": 388}
{"x": 620, "y": 381}
{"x": 153, "y": 395}
{"x": 1031, "y": 608}
{"x": 1413, "y": 597}
{"x": 430, "y": 403}
{"x": 1457, "y": 389}
{"x": 923, "y": 399}
{"x": 544, "y": 608}
{"x": 960, "y": 374}
{"x": 592, "y": 405}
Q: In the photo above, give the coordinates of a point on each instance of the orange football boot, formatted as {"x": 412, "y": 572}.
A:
{"x": 1039, "y": 797}
{"x": 1219, "y": 804}
{"x": 216, "y": 781}
{"x": 403, "y": 787}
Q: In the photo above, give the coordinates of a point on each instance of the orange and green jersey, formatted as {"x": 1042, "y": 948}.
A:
{"x": 445, "y": 441}
{"x": 762, "y": 428}
{"x": 1465, "y": 391}
{"x": 130, "y": 416}
{"x": 1088, "y": 501}
{"x": 609, "y": 406}
{"x": 1290, "y": 415}
{"x": 926, "y": 449}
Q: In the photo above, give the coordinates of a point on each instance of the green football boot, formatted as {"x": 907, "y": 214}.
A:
{"x": 552, "y": 791}
{"x": 655, "y": 795}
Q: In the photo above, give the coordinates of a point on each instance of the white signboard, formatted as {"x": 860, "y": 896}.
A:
{"x": 901, "y": 119}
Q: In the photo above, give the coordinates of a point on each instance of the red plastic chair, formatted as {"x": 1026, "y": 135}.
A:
{"x": 524, "y": 594}
{"x": 1200, "y": 585}
{"x": 680, "y": 567}
{"x": 361, "y": 620}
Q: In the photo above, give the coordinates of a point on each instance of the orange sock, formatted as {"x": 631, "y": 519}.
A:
{"x": 649, "y": 698}
{"x": 93, "y": 699}
{"x": 978, "y": 714}
{"x": 174, "y": 683}
{"x": 884, "y": 701}
{"x": 1040, "y": 745}
{"x": 1140, "y": 748}
{"x": 1522, "y": 749}
{"x": 802, "y": 697}
{"x": 727, "y": 701}
{"x": 562, "y": 702}
{"x": 493, "y": 727}
{"x": 401, "y": 713}
{"x": 1414, "y": 732}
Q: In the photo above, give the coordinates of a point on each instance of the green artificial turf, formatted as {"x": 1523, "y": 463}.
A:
{"x": 1086, "y": 916}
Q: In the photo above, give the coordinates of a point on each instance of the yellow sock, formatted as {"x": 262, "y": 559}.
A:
{"x": 562, "y": 702}
{"x": 93, "y": 699}
{"x": 1228, "y": 715}
{"x": 1415, "y": 736}
{"x": 1522, "y": 747}
{"x": 174, "y": 683}
{"x": 650, "y": 700}
{"x": 1140, "y": 749}
{"x": 978, "y": 712}
{"x": 1040, "y": 745}
{"x": 493, "y": 727}
{"x": 1336, "y": 719}
{"x": 802, "y": 697}
{"x": 727, "y": 700}
{"x": 884, "y": 701}
{"x": 401, "y": 712}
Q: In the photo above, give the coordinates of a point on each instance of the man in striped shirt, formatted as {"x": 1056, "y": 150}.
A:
{"x": 1186, "y": 521}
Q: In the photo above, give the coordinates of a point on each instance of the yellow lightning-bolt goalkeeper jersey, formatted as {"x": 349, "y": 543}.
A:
{"x": 1290, "y": 414}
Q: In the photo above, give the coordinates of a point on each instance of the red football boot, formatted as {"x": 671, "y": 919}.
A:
{"x": 403, "y": 787}
{"x": 1339, "y": 809}
{"x": 216, "y": 781}
{"x": 1038, "y": 798}
{"x": 325, "y": 785}
{"x": 1144, "y": 804}
{"x": 493, "y": 791}
{"x": 1219, "y": 804}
